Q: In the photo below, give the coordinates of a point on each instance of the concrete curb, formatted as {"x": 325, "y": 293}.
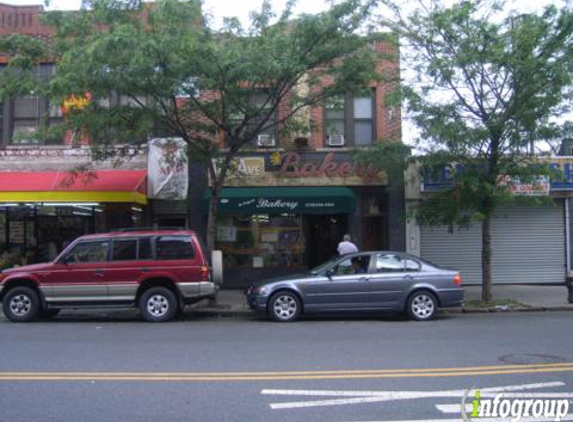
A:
{"x": 557, "y": 308}
{"x": 229, "y": 313}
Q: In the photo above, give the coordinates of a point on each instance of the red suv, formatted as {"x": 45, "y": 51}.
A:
{"x": 159, "y": 271}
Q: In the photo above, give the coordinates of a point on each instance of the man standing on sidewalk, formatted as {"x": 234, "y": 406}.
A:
{"x": 346, "y": 246}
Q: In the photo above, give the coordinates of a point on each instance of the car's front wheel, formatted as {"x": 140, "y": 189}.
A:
{"x": 422, "y": 306}
{"x": 285, "y": 306}
{"x": 158, "y": 304}
{"x": 21, "y": 304}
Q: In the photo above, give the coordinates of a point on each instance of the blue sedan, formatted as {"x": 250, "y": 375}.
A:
{"x": 366, "y": 281}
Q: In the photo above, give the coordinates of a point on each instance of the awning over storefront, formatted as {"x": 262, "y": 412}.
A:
{"x": 63, "y": 187}
{"x": 279, "y": 200}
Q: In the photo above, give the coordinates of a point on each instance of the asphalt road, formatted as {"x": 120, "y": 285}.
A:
{"x": 93, "y": 367}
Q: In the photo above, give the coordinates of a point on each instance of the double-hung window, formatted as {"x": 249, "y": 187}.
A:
{"x": 349, "y": 120}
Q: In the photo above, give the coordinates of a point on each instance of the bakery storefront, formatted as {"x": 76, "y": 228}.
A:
{"x": 281, "y": 213}
{"x": 42, "y": 212}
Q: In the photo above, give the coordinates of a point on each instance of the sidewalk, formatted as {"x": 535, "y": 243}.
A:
{"x": 527, "y": 298}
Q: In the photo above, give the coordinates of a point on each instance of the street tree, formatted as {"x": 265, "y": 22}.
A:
{"x": 215, "y": 88}
{"x": 487, "y": 89}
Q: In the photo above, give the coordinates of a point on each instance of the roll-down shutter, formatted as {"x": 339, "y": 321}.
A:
{"x": 528, "y": 246}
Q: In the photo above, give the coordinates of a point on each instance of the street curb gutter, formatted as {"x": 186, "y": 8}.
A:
{"x": 238, "y": 314}
{"x": 229, "y": 313}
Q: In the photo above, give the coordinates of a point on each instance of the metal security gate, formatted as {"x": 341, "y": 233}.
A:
{"x": 528, "y": 246}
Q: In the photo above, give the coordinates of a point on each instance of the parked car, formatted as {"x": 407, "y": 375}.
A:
{"x": 158, "y": 271}
{"x": 367, "y": 281}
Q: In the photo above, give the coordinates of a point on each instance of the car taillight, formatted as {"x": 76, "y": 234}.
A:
{"x": 205, "y": 274}
{"x": 458, "y": 279}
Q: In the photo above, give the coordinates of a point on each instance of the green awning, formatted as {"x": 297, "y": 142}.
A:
{"x": 280, "y": 200}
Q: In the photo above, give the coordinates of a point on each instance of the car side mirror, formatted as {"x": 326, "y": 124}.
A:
{"x": 329, "y": 274}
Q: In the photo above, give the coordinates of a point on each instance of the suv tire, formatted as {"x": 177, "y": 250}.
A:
{"x": 158, "y": 304}
{"x": 21, "y": 304}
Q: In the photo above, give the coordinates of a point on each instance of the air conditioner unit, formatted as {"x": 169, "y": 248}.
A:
{"x": 335, "y": 140}
{"x": 265, "y": 141}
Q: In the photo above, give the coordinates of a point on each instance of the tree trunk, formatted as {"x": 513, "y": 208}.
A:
{"x": 486, "y": 294}
{"x": 212, "y": 219}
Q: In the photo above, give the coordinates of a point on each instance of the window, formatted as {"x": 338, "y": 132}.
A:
{"x": 145, "y": 248}
{"x": 412, "y": 265}
{"x": 174, "y": 247}
{"x": 389, "y": 263}
{"x": 30, "y": 112}
{"x": 363, "y": 120}
{"x": 259, "y": 107}
{"x": 1, "y": 121}
{"x": 349, "y": 120}
{"x": 125, "y": 250}
{"x": 88, "y": 252}
{"x": 355, "y": 265}
{"x": 334, "y": 117}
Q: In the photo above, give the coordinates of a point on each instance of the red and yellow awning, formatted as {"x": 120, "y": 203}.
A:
{"x": 97, "y": 186}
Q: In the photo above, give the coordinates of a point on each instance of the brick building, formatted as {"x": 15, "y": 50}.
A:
{"x": 288, "y": 205}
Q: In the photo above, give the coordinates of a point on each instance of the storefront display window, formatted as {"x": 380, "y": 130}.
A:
{"x": 2, "y": 231}
{"x": 262, "y": 241}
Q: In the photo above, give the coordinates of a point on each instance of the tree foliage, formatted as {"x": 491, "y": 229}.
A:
{"x": 489, "y": 89}
{"x": 178, "y": 76}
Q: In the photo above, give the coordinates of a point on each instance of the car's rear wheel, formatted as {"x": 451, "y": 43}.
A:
{"x": 285, "y": 306}
{"x": 158, "y": 304}
{"x": 422, "y": 306}
{"x": 21, "y": 304}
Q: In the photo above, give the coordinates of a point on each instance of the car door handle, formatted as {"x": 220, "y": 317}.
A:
{"x": 100, "y": 272}
{"x": 408, "y": 277}
{"x": 363, "y": 279}
{"x": 144, "y": 269}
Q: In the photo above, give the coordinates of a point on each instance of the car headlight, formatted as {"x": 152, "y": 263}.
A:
{"x": 263, "y": 290}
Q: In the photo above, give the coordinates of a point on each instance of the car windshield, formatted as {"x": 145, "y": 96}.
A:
{"x": 322, "y": 267}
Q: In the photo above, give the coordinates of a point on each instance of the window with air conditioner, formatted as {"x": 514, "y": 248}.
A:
{"x": 349, "y": 120}
{"x": 335, "y": 140}
{"x": 265, "y": 141}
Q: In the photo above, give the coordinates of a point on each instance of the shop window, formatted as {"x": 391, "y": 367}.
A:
{"x": 262, "y": 241}
{"x": 389, "y": 263}
{"x": 349, "y": 120}
{"x": 88, "y": 252}
{"x": 124, "y": 250}
{"x": 174, "y": 247}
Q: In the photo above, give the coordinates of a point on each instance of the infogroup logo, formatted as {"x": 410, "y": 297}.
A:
{"x": 506, "y": 406}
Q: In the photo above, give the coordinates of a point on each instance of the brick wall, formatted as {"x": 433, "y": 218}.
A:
{"x": 23, "y": 20}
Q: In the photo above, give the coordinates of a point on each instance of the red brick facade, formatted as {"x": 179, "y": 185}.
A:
{"x": 25, "y": 20}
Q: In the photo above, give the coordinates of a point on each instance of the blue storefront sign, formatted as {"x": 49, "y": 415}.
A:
{"x": 437, "y": 180}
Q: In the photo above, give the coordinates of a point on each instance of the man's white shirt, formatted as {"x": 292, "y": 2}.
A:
{"x": 346, "y": 247}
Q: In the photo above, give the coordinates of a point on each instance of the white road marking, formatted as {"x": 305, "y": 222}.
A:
{"x": 360, "y": 397}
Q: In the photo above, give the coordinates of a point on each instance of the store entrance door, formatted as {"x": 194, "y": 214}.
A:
{"x": 325, "y": 232}
{"x": 374, "y": 234}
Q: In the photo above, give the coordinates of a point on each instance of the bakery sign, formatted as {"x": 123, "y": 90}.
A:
{"x": 294, "y": 169}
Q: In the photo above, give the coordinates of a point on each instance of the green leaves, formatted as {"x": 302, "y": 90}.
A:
{"x": 490, "y": 89}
